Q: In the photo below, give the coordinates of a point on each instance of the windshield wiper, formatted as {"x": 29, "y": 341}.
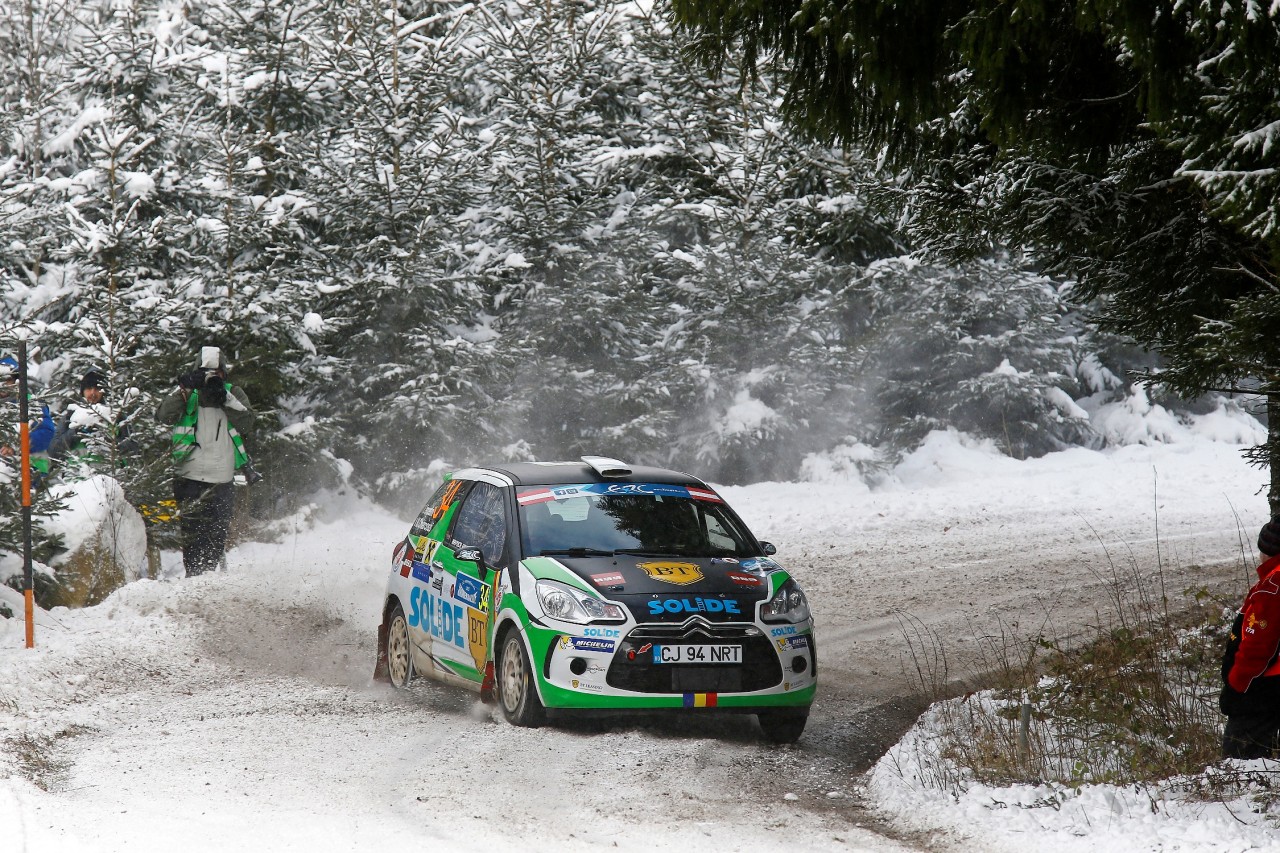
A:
{"x": 575, "y": 552}
{"x": 657, "y": 552}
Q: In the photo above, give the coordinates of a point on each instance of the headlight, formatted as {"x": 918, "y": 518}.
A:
{"x": 788, "y": 605}
{"x": 563, "y": 602}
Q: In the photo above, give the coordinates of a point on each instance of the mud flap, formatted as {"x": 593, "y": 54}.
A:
{"x": 488, "y": 687}
{"x": 380, "y": 671}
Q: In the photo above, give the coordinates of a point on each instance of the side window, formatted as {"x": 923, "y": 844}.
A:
{"x": 436, "y": 506}
{"x": 482, "y": 522}
{"x": 718, "y": 536}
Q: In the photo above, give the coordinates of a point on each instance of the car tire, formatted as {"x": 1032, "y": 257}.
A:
{"x": 399, "y": 660}
{"x": 517, "y": 695}
{"x": 782, "y": 726}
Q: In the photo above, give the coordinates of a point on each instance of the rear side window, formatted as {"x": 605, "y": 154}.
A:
{"x": 437, "y": 505}
{"x": 482, "y": 522}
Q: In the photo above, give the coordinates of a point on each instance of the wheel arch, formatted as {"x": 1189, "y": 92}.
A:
{"x": 507, "y": 622}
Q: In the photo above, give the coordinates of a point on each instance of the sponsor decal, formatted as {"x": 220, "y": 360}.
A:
{"x": 1255, "y": 624}
{"x": 609, "y": 579}
{"x": 477, "y": 636}
{"x": 446, "y": 501}
{"x": 760, "y": 564}
{"x": 421, "y": 572}
{"x": 433, "y": 545}
{"x": 666, "y": 490}
{"x": 731, "y": 560}
{"x": 744, "y": 579}
{"x": 437, "y": 581}
{"x": 783, "y": 631}
{"x": 695, "y": 605}
{"x": 586, "y": 644}
{"x": 791, "y": 644}
{"x": 471, "y": 592}
{"x": 439, "y": 618}
{"x": 667, "y": 571}
{"x": 407, "y": 556}
{"x": 610, "y": 633}
{"x": 588, "y": 687}
{"x": 700, "y": 700}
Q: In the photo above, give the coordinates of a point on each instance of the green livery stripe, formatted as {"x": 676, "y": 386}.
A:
{"x": 559, "y": 697}
{"x": 546, "y": 568}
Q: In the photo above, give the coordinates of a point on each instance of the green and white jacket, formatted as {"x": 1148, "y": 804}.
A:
{"x": 207, "y": 443}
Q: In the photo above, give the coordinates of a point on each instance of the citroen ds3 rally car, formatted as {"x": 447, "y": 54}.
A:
{"x": 597, "y": 586}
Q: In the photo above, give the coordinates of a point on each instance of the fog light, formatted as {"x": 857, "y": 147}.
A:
{"x": 577, "y": 666}
{"x": 799, "y": 664}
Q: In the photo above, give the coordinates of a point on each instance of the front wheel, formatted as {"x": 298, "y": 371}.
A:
{"x": 782, "y": 726}
{"x": 399, "y": 664}
{"x": 516, "y": 692}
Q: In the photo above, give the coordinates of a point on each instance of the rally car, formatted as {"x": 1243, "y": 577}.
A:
{"x": 597, "y": 586}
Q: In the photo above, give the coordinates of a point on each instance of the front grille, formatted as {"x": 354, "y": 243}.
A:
{"x": 759, "y": 668}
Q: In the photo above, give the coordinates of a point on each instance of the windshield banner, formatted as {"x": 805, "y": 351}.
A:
{"x": 666, "y": 490}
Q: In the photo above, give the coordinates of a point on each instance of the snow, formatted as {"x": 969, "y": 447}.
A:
{"x": 236, "y": 710}
{"x": 1057, "y": 820}
{"x": 96, "y": 509}
{"x": 746, "y": 414}
{"x": 67, "y": 138}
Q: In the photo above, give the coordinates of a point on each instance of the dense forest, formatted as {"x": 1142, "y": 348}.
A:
{"x": 428, "y": 233}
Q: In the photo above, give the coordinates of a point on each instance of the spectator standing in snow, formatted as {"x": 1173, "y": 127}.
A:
{"x": 89, "y": 416}
{"x": 208, "y": 415}
{"x": 1251, "y": 665}
{"x": 41, "y": 431}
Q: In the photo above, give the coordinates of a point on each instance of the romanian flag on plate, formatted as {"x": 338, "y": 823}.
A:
{"x": 700, "y": 700}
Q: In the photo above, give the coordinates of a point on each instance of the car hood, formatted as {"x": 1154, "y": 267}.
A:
{"x": 670, "y": 589}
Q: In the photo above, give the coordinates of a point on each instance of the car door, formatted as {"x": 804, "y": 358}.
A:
{"x": 482, "y": 524}
{"x": 419, "y": 563}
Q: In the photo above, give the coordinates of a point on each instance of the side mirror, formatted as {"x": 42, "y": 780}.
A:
{"x": 768, "y": 549}
{"x": 467, "y": 554}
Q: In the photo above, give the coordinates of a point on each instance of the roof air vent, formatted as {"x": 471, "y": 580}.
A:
{"x": 606, "y": 467}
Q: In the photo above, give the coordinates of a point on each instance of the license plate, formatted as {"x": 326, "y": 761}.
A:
{"x": 697, "y": 654}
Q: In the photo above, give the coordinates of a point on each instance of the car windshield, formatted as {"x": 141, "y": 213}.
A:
{"x": 635, "y": 518}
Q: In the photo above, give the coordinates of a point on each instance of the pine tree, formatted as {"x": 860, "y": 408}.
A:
{"x": 1090, "y": 134}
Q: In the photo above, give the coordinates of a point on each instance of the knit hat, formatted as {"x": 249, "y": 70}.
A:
{"x": 1269, "y": 537}
{"x": 8, "y": 367}
{"x": 94, "y": 379}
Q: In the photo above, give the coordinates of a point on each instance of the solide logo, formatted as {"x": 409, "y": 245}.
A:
{"x": 681, "y": 574}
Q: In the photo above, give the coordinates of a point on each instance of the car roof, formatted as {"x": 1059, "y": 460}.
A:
{"x": 557, "y": 473}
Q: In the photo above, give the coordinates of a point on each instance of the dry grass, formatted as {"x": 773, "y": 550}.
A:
{"x": 1132, "y": 702}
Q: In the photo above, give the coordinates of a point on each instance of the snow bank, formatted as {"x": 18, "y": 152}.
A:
{"x": 1057, "y": 819}
{"x": 97, "y": 513}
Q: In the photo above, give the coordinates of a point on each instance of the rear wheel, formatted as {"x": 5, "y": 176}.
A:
{"x": 399, "y": 664}
{"x": 782, "y": 726}
{"x": 516, "y": 692}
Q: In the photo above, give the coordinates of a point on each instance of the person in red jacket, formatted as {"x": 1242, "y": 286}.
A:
{"x": 1251, "y": 665}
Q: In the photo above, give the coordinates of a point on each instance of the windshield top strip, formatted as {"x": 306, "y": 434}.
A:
{"x": 666, "y": 490}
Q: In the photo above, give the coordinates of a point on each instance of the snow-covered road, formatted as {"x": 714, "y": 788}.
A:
{"x": 236, "y": 712}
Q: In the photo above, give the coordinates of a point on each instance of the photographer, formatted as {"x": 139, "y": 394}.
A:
{"x": 208, "y": 415}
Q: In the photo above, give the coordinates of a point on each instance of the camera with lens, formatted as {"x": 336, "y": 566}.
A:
{"x": 212, "y": 389}
{"x": 193, "y": 379}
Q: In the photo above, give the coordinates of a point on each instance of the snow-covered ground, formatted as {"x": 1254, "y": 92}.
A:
{"x": 236, "y": 711}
